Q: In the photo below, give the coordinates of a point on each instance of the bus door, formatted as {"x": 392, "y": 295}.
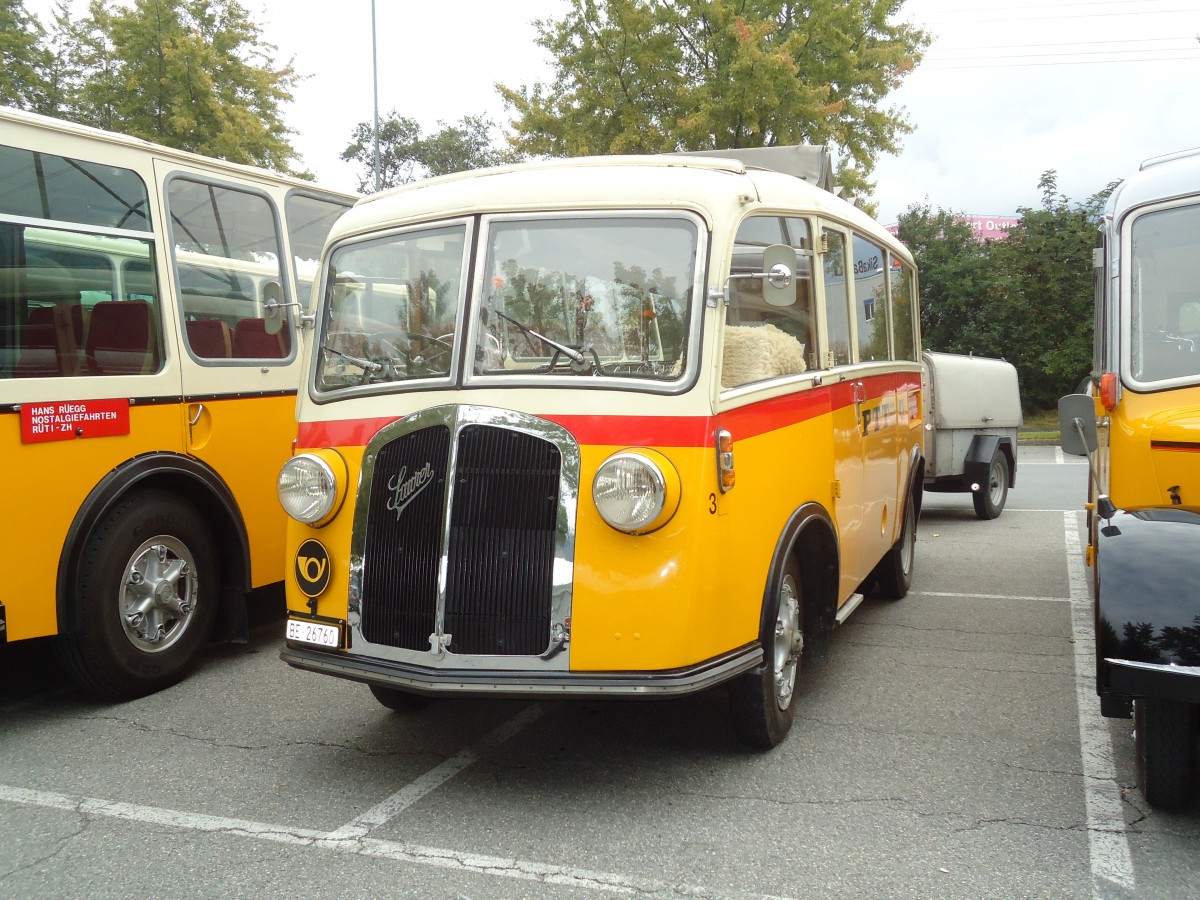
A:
{"x": 848, "y": 401}
{"x": 239, "y": 379}
{"x": 877, "y": 414}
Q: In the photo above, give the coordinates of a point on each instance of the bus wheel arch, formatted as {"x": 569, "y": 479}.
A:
{"x": 797, "y": 615}
{"x": 194, "y": 486}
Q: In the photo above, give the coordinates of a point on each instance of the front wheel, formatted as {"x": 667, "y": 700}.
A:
{"x": 989, "y": 499}
{"x": 147, "y": 594}
{"x": 1165, "y": 746}
{"x": 763, "y": 702}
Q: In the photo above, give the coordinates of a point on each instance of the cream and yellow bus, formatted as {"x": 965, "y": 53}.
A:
{"x": 1139, "y": 421}
{"x": 627, "y": 426}
{"x": 148, "y": 374}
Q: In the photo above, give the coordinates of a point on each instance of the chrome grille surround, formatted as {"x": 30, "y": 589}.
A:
{"x": 437, "y": 650}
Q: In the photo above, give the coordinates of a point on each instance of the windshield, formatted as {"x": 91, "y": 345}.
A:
{"x": 391, "y": 308}
{"x": 1165, "y": 296}
{"x": 594, "y": 295}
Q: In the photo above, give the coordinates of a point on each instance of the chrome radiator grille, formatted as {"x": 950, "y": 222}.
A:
{"x": 502, "y": 486}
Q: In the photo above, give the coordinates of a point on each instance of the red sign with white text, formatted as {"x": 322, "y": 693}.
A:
{"x": 68, "y": 419}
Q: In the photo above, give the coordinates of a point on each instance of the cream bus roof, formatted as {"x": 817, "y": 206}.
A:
{"x": 67, "y": 129}
{"x": 1159, "y": 178}
{"x": 713, "y": 186}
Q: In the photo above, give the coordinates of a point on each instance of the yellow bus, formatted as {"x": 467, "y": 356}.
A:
{"x": 627, "y": 426}
{"x": 1139, "y": 421}
{"x": 148, "y": 374}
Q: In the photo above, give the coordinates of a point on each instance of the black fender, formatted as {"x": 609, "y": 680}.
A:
{"x": 978, "y": 460}
{"x": 191, "y": 479}
{"x": 916, "y": 479}
{"x": 1147, "y": 606}
{"x": 811, "y": 538}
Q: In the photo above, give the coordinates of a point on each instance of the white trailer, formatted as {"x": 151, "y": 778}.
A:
{"x": 972, "y": 413}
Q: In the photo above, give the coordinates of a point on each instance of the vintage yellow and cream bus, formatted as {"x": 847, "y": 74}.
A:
{"x": 628, "y": 426}
{"x": 1139, "y": 421}
{"x": 148, "y": 374}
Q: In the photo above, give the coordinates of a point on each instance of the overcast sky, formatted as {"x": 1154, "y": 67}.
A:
{"x": 1007, "y": 90}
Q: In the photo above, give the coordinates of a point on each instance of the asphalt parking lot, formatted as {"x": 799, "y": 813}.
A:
{"x": 948, "y": 749}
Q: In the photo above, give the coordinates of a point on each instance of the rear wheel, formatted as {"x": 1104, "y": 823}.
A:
{"x": 763, "y": 702}
{"x": 1165, "y": 737}
{"x": 893, "y": 575}
{"x": 147, "y": 591}
{"x": 990, "y": 498}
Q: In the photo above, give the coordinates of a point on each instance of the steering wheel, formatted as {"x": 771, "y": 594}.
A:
{"x": 415, "y": 363}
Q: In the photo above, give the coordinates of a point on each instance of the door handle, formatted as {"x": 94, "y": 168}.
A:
{"x": 860, "y": 392}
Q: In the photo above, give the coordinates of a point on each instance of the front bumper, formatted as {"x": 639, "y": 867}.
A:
{"x": 1152, "y": 681}
{"x": 500, "y": 683}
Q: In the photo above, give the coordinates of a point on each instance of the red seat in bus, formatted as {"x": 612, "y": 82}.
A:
{"x": 121, "y": 339}
{"x": 210, "y": 338}
{"x": 251, "y": 341}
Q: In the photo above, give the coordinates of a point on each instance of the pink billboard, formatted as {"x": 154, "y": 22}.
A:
{"x": 985, "y": 228}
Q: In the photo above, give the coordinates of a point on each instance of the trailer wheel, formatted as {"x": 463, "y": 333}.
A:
{"x": 989, "y": 499}
{"x": 762, "y": 702}
{"x": 148, "y": 590}
{"x": 1165, "y": 744}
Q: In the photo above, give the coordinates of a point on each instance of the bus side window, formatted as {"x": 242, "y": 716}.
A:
{"x": 903, "y": 297}
{"x": 763, "y": 341}
{"x": 871, "y": 300}
{"x": 837, "y": 312}
{"x": 227, "y": 254}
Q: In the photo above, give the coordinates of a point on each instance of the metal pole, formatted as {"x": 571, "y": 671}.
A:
{"x": 375, "y": 79}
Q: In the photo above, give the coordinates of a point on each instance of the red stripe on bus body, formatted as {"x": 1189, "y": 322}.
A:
{"x": 653, "y": 431}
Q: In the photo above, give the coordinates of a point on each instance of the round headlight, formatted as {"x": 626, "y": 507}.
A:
{"x": 629, "y": 491}
{"x": 307, "y": 488}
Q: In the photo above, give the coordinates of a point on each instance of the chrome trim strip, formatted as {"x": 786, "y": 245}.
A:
{"x": 456, "y": 417}
{"x": 427, "y": 680}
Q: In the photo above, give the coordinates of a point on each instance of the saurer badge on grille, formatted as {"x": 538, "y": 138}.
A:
{"x": 405, "y": 487}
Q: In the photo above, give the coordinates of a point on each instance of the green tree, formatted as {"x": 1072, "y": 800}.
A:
{"x": 956, "y": 274}
{"x": 191, "y": 74}
{"x": 405, "y": 154}
{"x": 24, "y": 58}
{"x": 1043, "y": 301}
{"x": 638, "y": 76}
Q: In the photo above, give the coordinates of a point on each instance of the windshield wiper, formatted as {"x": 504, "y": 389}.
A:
{"x": 366, "y": 364}
{"x": 569, "y": 352}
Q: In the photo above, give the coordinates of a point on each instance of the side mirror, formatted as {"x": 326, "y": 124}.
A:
{"x": 1077, "y": 424}
{"x": 779, "y": 271}
{"x": 273, "y": 307}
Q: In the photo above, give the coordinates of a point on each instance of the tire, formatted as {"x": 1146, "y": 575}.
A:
{"x": 147, "y": 591}
{"x": 1165, "y": 746}
{"x": 893, "y": 574}
{"x": 990, "y": 498}
{"x": 762, "y": 702}
{"x": 400, "y": 701}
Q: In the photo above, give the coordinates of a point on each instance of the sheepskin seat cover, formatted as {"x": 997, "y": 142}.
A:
{"x": 758, "y": 352}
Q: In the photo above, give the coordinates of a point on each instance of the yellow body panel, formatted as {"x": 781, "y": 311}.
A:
{"x": 48, "y": 482}
{"x": 246, "y": 440}
{"x": 1145, "y": 459}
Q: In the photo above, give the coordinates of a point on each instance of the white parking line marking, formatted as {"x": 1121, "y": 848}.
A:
{"x": 473, "y": 863}
{"x": 435, "y": 777}
{"x": 962, "y": 596}
{"x": 1058, "y": 456}
{"x": 1112, "y": 864}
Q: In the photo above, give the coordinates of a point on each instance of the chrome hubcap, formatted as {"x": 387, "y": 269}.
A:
{"x": 789, "y": 642}
{"x": 158, "y": 594}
